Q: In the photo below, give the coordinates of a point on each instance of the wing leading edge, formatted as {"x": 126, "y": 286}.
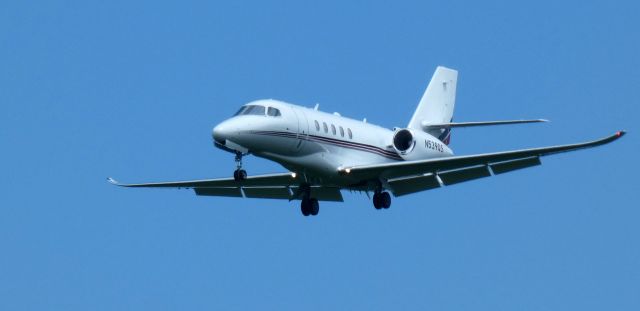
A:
{"x": 413, "y": 176}
{"x": 401, "y": 177}
{"x": 280, "y": 179}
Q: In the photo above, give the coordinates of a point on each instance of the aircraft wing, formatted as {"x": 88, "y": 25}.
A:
{"x": 413, "y": 176}
{"x": 270, "y": 186}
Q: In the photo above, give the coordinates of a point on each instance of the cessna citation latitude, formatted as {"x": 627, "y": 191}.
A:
{"x": 326, "y": 153}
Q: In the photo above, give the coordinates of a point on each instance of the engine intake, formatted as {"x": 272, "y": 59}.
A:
{"x": 403, "y": 141}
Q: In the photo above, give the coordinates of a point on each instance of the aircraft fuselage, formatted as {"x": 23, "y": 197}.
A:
{"x": 314, "y": 143}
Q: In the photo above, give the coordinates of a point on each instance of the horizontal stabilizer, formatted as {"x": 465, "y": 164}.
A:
{"x": 431, "y": 126}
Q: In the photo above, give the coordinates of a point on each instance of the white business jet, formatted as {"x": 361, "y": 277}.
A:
{"x": 326, "y": 153}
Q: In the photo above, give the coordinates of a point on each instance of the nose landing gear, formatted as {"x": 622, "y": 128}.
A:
{"x": 239, "y": 174}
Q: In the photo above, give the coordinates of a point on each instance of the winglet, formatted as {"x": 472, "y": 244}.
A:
{"x": 613, "y": 137}
{"x": 113, "y": 181}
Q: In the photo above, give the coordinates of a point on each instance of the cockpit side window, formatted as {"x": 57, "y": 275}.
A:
{"x": 251, "y": 110}
{"x": 273, "y": 112}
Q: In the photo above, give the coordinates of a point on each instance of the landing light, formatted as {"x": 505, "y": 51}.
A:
{"x": 347, "y": 170}
{"x": 293, "y": 175}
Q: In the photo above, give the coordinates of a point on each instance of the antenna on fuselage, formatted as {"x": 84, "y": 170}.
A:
{"x": 317, "y": 106}
{"x": 364, "y": 120}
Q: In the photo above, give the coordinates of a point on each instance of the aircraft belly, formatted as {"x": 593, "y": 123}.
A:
{"x": 320, "y": 162}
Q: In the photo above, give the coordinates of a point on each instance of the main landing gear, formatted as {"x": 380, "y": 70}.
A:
{"x": 381, "y": 200}
{"x": 239, "y": 174}
{"x": 308, "y": 206}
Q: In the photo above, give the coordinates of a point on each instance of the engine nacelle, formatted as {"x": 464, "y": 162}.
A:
{"x": 418, "y": 145}
{"x": 404, "y": 141}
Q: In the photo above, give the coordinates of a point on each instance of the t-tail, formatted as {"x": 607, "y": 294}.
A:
{"x": 437, "y": 103}
{"x": 434, "y": 114}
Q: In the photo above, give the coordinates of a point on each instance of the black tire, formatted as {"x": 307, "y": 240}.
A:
{"x": 242, "y": 174}
{"x": 235, "y": 175}
{"x": 376, "y": 201}
{"x": 314, "y": 207}
{"x": 385, "y": 200}
{"x": 304, "y": 207}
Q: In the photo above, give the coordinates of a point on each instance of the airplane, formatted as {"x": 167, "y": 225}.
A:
{"x": 325, "y": 153}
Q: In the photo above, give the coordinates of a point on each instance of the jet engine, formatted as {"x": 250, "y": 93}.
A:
{"x": 417, "y": 145}
{"x": 403, "y": 142}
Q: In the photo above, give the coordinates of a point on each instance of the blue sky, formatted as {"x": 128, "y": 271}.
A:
{"x": 91, "y": 89}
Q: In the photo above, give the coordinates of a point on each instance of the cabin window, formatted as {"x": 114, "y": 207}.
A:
{"x": 341, "y": 131}
{"x": 317, "y": 125}
{"x": 273, "y": 112}
{"x": 333, "y": 129}
{"x": 324, "y": 125}
{"x": 349, "y": 133}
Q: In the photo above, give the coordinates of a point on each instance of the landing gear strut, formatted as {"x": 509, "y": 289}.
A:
{"x": 239, "y": 174}
{"x": 381, "y": 200}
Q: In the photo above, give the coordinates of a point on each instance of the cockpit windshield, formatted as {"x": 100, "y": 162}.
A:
{"x": 257, "y": 110}
{"x": 251, "y": 110}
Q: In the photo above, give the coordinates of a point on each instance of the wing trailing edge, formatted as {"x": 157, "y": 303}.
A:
{"x": 268, "y": 186}
{"x": 419, "y": 167}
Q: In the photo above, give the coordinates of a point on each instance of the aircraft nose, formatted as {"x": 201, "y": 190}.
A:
{"x": 221, "y": 133}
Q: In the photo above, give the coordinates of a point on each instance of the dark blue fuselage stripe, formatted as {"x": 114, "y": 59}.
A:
{"x": 327, "y": 140}
{"x": 352, "y": 145}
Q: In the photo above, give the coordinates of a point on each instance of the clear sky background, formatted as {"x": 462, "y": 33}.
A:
{"x": 91, "y": 89}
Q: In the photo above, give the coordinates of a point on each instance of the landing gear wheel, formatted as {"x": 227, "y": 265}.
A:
{"x": 305, "y": 207}
{"x": 381, "y": 200}
{"x": 385, "y": 200}
{"x": 315, "y": 207}
{"x": 309, "y": 207}
{"x": 376, "y": 201}
{"x": 239, "y": 175}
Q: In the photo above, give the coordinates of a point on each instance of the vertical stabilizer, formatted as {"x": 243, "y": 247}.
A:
{"x": 437, "y": 103}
